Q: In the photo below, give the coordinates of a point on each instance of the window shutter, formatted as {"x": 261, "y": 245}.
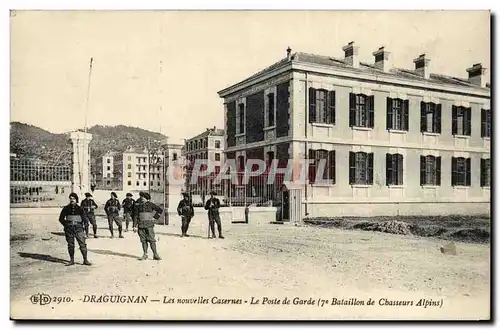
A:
{"x": 438, "y": 119}
{"x": 467, "y": 172}
{"x": 423, "y": 121}
{"x": 388, "y": 169}
{"x": 312, "y": 105}
{"x": 483, "y": 123}
{"x": 312, "y": 167}
{"x": 371, "y": 110}
{"x": 454, "y": 127}
{"x": 370, "y": 168}
{"x": 422, "y": 170}
{"x": 330, "y": 118}
{"x": 482, "y": 174}
{"x": 406, "y": 110}
{"x": 352, "y": 109}
{"x": 468, "y": 124}
{"x": 453, "y": 171}
{"x": 352, "y": 167}
{"x": 389, "y": 113}
{"x": 400, "y": 169}
{"x": 331, "y": 167}
{"x": 438, "y": 171}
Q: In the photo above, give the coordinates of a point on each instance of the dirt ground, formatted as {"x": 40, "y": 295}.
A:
{"x": 273, "y": 261}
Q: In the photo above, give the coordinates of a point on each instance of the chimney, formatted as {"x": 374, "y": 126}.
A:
{"x": 422, "y": 66}
{"x": 351, "y": 55}
{"x": 288, "y": 53}
{"x": 477, "y": 75}
{"x": 382, "y": 61}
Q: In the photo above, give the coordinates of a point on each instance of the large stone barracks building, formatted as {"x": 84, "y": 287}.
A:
{"x": 395, "y": 141}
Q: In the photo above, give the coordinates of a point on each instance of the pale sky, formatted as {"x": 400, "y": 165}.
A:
{"x": 202, "y": 53}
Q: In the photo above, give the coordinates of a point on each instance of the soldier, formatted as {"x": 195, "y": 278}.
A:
{"x": 112, "y": 209}
{"x": 88, "y": 205}
{"x": 71, "y": 219}
{"x": 145, "y": 221}
{"x": 128, "y": 208}
{"x": 213, "y": 205}
{"x": 186, "y": 211}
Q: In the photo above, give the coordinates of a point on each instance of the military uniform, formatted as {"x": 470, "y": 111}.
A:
{"x": 88, "y": 205}
{"x": 213, "y": 205}
{"x": 71, "y": 219}
{"x": 186, "y": 211}
{"x": 128, "y": 208}
{"x": 145, "y": 214}
{"x": 112, "y": 209}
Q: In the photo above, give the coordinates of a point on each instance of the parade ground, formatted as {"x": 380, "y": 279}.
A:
{"x": 257, "y": 272}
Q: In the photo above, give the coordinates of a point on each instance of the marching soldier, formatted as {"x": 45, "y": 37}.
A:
{"x": 88, "y": 205}
{"x": 128, "y": 208}
{"x": 213, "y": 205}
{"x": 186, "y": 211}
{"x": 145, "y": 221}
{"x": 71, "y": 219}
{"x": 112, "y": 209}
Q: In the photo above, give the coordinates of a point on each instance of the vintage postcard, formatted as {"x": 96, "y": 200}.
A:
{"x": 250, "y": 165}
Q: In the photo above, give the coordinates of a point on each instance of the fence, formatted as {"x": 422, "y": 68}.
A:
{"x": 34, "y": 183}
{"x": 238, "y": 190}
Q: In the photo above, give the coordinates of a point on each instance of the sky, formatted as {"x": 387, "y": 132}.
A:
{"x": 161, "y": 70}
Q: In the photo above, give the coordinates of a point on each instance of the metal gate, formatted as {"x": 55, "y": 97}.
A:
{"x": 37, "y": 183}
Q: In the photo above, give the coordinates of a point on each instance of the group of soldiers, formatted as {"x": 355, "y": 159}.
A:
{"x": 142, "y": 213}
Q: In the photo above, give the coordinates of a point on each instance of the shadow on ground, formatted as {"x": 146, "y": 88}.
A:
{"x": 113, "y": 253}
{"x": 179, "y": 235}
{"x": 42, "y": 257}
{"x": 58, "y": 233}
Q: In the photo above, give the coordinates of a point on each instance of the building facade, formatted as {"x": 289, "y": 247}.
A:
{"x": 107, "y": 172}
{"x": 393, "y": 141}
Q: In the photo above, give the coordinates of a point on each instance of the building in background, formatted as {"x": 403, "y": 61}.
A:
{"x": 395, "y": 141}
{"x": 208, "y": 146}
{"x": 107, "y": 176}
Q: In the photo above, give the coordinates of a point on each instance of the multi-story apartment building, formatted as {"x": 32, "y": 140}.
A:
{"x": 130, "y": 170}
{"x": 208, "y": 146}
{"x": 395, "y": 141}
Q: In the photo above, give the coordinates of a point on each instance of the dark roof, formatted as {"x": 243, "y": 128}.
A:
{"x": 366, "y": 68}
{"x": 209, "y": 132}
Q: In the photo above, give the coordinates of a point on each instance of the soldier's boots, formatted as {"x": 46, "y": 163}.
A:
{"x": 71, "y": 252}
{"x": 120, "y": 232}
{"x": 155, "y": 252}
{"x": 144, "y": 257}
{"x": 145, "y": 250}
{"x": 95, "y": 236}
{"x": 84, "y": 255}
{"x": 121, "y": 236}
{"x": 221, "y": 237}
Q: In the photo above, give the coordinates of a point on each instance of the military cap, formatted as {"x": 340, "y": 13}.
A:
{"x": 147, "y": 196}
{"x": 88, "y": 194}
{"x": 114, "y": 194}
{"x": 129, "y": 195}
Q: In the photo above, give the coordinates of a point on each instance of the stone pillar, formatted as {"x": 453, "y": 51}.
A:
{"x": 80, "y": 181}
{"x": 175, "y": 176}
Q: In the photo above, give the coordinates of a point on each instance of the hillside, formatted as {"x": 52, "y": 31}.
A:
{"x": 31, "y": 141}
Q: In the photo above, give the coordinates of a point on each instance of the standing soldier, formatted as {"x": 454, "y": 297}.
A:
{"x": 71, "y": 219}
{"x": 213, "y": 205}
{"x": 112, "y": 209}
{"x": 128, "y": 208}
{"x": 145, "y": 221}
{"x": 88, "y": 205}
{"x": 186, "y": 211}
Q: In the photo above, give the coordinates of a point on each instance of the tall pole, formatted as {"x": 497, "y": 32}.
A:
{"x": 149, "y": 166}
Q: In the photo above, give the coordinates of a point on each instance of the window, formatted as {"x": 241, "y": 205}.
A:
{"x": 159, "y": 184}
{"x": 461, "y": 121}
{"x": 430, "y": 170}
{"x": 108, "y": 175}
{"x": 397, "y": 114}
{"x": 460, "y": 171}
{"x": 137, "y": 183}
{"x": 108, "y": 160}
{"x": 174, "y": 156}
{"x": 217, "y": 144}
{"x": 144, "y": 183}
{"x": 108, "y": 182}
{"x": 394, "y": 169}
{"x": 430, "y": 117}
{"x": 196, "y": 144}
{"x": 241, "y": 163}
{"x": 129, "y": 166}
{"x": 321, "y": 106}
{"x": 485, "y": 123}
{"x": 129, "y": 174}
{"x": 270, "y": 109}
{"x": 361, "y": 112}
{"x": 322, "y": 166}
{"x": 360, "y": 168}
{"x": 241, "y": 118}
{"x": 109, "y": 168}
{"x": 129, "y": 183}
{"x": 217, "y": 169}
{"x": 129, "y": 158}
{"x": 217, "y": 156}
{"x": 152, "y": 183}
{"x": 485, "y": 172}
